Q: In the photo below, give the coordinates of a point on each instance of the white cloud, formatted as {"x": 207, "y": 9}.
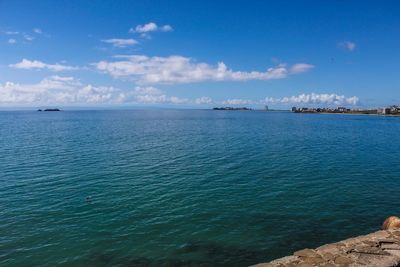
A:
{"x": 57, "y": 90}
{"x": 203, "y": 100}
{"x": 147, "y": 91}
{"x": 350, "y": 46}
{"x": 325, "y": 99}
{"x": 37, "y": 30}
{"x": 12, "y": 41}
{"x": 152, "y": 95}
{"x": 151, "y": 27}
{"x": 22, "y": 35}
{"x": 120, "y": 42}
{"x": 300, "y": 67}
{"x": 28, "y": 37}
{"x": 159, "y": 99}
{"x": 179, "y": 69}
{"x": 68, "y": 90}
{"x": 237, "y": 102}
{"x": 166, "y": 28}
{"x": 36, "y": 64}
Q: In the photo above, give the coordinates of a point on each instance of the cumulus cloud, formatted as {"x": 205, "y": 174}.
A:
{"x": 237, "y": 102}
{"x": 12, "y": 41}
{"x": 152, "y": 95}
{"x": 54, "y": 89}
{"x": 151, "y": 27}
{"x": 179, "y": 69}
{"x": 68, "y": 90}
{"x": 203, "y": 100}
{"x": 36, "y": 64}
{"x": 350, "y": 46}
{"x": 120, "y": 42}
{"x": 149, "y": 90}
{"x": 325, "y": 99}
{"x": 160, "y": 99}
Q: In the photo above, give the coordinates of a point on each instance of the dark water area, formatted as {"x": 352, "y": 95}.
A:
{"x": 189, "y": 187}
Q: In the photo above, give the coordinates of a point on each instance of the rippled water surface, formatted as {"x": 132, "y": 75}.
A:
{"x": 189, "y": 187}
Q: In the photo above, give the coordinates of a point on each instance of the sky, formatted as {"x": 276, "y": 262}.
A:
{"x": 199, "y": 54}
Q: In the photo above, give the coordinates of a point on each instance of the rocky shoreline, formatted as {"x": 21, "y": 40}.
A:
{"x": 381, "y": 248}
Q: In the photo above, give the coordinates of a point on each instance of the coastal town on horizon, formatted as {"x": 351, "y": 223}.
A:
{"x": 393, "y": 110}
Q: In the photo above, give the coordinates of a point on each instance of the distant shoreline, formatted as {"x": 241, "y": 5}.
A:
{"x": 362, "y": 114}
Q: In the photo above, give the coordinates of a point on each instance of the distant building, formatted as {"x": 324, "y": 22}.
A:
{"x": 383, "y": 111}
{"x": 266, "y": 108}
{"x": 394, "y": 109}
{"x": 294, "y": 109}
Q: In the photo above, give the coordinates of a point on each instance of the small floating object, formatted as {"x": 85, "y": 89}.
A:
{"x": 391, "y": 222}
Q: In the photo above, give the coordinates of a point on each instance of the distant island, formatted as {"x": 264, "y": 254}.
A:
{"x": 232, "y": 108}
{"x": 392, "y": 110}
{"x": 49, "y": 109}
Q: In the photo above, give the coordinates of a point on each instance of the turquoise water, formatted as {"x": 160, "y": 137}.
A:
{"x": 189, "y": 187}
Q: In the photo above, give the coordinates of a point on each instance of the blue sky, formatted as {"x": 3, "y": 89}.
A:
{"x": 199, "y": 53}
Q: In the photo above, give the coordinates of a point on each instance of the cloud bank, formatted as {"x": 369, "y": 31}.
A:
{"x": 179, "y": 69}
{"x": 324, "y": 99}
{"x": 55, "y": 89}
{"x": 68, "y": 90}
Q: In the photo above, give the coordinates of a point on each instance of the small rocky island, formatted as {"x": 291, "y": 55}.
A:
{"x": 49, "y": 109}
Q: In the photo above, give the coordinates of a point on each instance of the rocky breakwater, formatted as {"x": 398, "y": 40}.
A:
{"x": 381, "y": 248}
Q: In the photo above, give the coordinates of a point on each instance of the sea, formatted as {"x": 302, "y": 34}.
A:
{"x": 165, "y": 187}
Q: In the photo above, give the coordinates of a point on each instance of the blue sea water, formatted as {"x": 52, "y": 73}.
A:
{"x": 189, "y": 187}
